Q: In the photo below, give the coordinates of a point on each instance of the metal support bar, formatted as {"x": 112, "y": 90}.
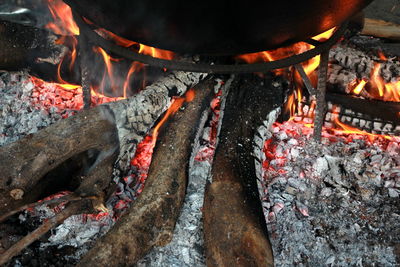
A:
{"x": 111, "y": 47}
{"x": 321, "y": 108}
{"x": 85, "y": 74}
{"x": 311, "y": 90}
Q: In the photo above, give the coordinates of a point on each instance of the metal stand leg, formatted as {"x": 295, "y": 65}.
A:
{"x": 321, "y": 109}
{"x": 85, "y": 77}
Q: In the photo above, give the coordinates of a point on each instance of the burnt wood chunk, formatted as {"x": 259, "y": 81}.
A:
{"x": 28, "y": 47}
{"x": 151, "y": 219}
{"x": 234, "y": 225}
{"x": 26, "y": 165}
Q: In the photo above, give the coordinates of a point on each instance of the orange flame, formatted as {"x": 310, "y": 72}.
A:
{"x": 135, "y": 66}
{"x": 109, "y": 69}
{"x": 325, "y": 35}
{"x": 154, "y": 52}
{"x": 378, "y": 88}
{"x": 143, "y": 49}
{"x": 291, "y": 106}
{"x": 358, "y": 89}
{"x": 64, "y": 23}
{"x": 346, "y": 129}
{"x": 382, "y": 56}
{"x": 175, "y": 106}
{"x": 283, "y": 52}
{"x": 377, "y": 80}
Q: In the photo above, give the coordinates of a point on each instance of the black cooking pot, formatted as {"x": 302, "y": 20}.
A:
{"x": 217, "y": 26}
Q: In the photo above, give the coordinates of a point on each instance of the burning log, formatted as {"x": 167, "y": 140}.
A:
{"x": 362, "y": 64}
{"x": 151, "y": 219}
{"x": 235, "y": 230}
{"x": 25, "y": 162}
{"x": 138, "y": 114}
{"x": 30, "y": 165}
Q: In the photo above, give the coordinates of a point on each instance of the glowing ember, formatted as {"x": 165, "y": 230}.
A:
{"x": 307, "y": 190}
{"x": 206, "y": 153}
{"x": 376, "y": 87}
{"x": 53, "y": 95}
{"x": 360, "y": 87}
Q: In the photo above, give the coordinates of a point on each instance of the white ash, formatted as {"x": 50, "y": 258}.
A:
{"x": 363, "y": 64}
{"x": 18, "y": 115}
{"x": 333, "y": 203}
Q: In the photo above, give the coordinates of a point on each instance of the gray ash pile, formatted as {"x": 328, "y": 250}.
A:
{"x": 334, "y": 203}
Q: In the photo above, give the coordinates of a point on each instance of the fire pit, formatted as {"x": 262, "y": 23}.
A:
{"x": 91, "y": 157}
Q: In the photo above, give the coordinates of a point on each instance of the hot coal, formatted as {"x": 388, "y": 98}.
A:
{"x": 20, "y": 112}
{"x": 35, "y": 104}
{"x": 334, "y": 203}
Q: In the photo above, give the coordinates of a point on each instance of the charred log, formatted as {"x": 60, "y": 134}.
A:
{"x": 74, "y": 208}
{"x": 25, "y": 163}
{"x": 151, "y": 219}
{"x": 234, "y": 224}
{"x": 136, "y": 115}
{"x": 362, "y": 64}
{"x": 93, "y": 132}
{"x": 25, "y": 46}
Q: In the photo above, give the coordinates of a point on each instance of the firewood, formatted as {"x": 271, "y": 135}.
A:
{"x": 234, "y": 224}
{"x": 73, "y": 208}
{"x": 25, "y": 46}
{"x": 151, "y": 219}
{"x": 362, "y": 64}
{"x": 381, "y": 29}
{"x": 136, "y": 115}
{"x": 25, "y": 162}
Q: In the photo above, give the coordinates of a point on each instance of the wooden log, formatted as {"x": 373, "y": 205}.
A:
{"x": 151, "y": 219}
{"x": 362, "y": 64}
{"x": 25, "y": 163}
{"x": 385, "y": 111}
{"x": 136, "y": 115}
{"x": 74, "y": 208}
{"x": 234, "y": 225}
{"x": 381, "y": 29}
{"x": 25, "y": 46}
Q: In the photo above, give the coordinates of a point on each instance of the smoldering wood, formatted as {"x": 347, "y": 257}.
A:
{"x": 375, "y": 45}
{"x": 357, "y": 112}
{"x": 362, "y": 64}
{"x": 136, "y": 115}
{"x": 25, "y": 163}
{"x": 385, "y": 113}
{"x": 74, "y": 208}
{"x": 234, "y": 225}
{"x": 25, "y": 46}
{"x": 151, "y": 219}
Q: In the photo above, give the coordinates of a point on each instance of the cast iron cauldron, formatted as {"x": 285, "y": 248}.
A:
{"x": 223, "y": 27}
